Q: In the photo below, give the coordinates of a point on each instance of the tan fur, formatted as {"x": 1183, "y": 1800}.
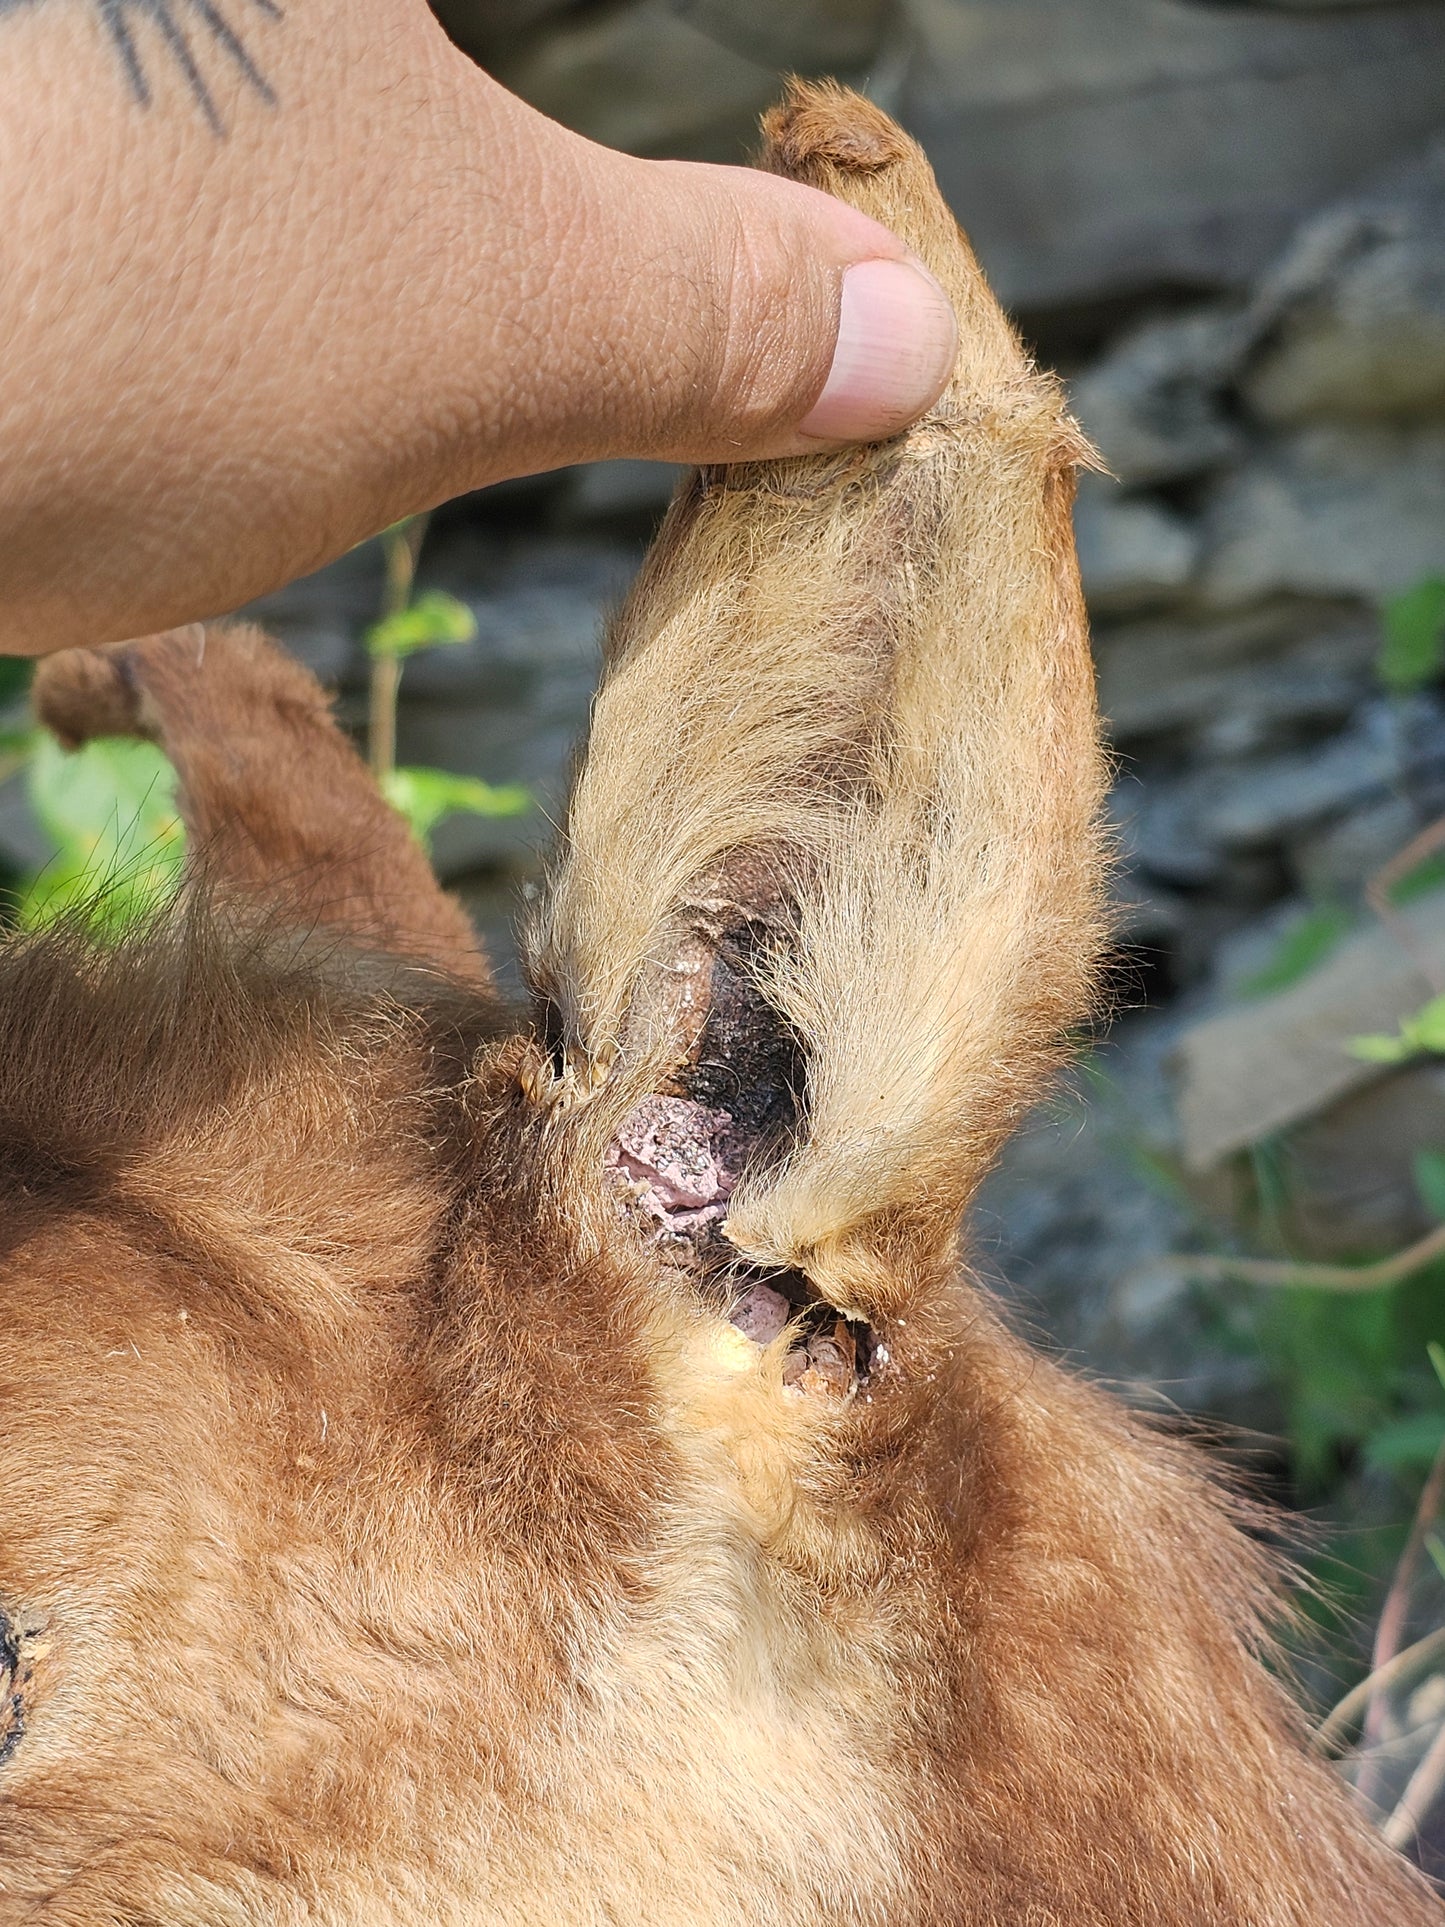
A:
{"x": 396, "y": 1531}
{"x": 879, "y": 665}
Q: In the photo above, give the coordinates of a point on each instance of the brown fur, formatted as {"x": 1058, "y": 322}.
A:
{"x": 395, "y": 1530}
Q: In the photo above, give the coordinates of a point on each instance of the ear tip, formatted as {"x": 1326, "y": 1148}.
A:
{"x": 820, "y": 125}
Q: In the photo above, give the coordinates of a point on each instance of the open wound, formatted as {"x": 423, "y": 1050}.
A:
{"x": 733, "y": 1103}
{"x": 22, "y": 1643}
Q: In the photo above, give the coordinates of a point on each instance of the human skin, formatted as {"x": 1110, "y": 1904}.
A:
{"x": 271, "y": 280}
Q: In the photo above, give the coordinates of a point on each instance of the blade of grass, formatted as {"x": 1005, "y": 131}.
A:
{"x": 1419, "y": 1796}
{"x": 1330, "y": 1733}
{"x": 1293, "y": 1274}
{"x": 1393, "y": 1614}
{"x": 401, "y": 547}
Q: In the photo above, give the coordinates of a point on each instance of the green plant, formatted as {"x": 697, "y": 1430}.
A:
{"x": 109, "y": 808}
{"x": 1413, "y": 651}
{"x": 409, "y": 622}
{"x": 14, "y": 678}
{"x": 1348, "y": 1347}
{"x": 110, "y": 811}
{"x": 1419, "y": 881}
{"x": 1422, "y": 1031}
{"x": 1302, "y": 948}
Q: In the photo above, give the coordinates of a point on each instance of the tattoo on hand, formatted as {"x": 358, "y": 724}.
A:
{"x": 168, "y": 20}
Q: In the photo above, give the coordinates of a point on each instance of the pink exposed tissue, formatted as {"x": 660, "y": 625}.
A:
{"x": 670, "y": 1149}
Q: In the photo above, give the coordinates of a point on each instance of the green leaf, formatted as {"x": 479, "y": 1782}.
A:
{"x": 1306, "y": 943}
{"x": 1436, "y": 1354}
{"x": 1406, "y": 1442}
{"x": 1426, "y": 1029}
{"x": 109, "y": 809}
{"x": 1429, "y": 1171}
{"x": 1436, "y": 1551}
{"x": 14, "y": 677}
{"x": 1413, "y": 651}
{"x": 1338, "y": 1364}
{"x": 431, "y": 621}
{"x": 425, "y": 796}
{"x": 1376, "y": 1047}
{"x": 1423, "y": 1030}
{"x": 1426, "y": 876}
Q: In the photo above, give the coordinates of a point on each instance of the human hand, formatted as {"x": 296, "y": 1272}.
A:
{"x": 332, "y": 274}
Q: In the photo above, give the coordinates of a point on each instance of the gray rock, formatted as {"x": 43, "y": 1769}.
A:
{"x": 1254, "y": 1069}
{"x": 1339, "y": 858}
{"x": 1353, "y": 1166}
{"x": 1080, "y": 1204}
{"x": 539, "y": 612}
{"x": 511, "y": 705}
{"x": 1351, "y": 322}
{"x": 24, "y": 845}
{"x": 1035, "y": 112}
{"x": 643, "y": 78}
{"x": 1267, "y": 802}
{"x": 1158, "y": 828}
{"x": 1228, "y": 827}
{"x": 1103, "y": 147}
{"x": 684, "y": 77}
{"x": 621, "y": 491}
{"x": 486, "y": 27}
{"x": 1309, "y": 6}
{"x": 501, "y": 745}
{"x": 1347, "y": 1176}
{"x": 1162, "y": 837}
{"x": 1238, "y": 683}
{"x": 1153, "y": 406}
{"x": 1328, "y": 511}
{"x": 321, "y": 617}
{"x": 1133, "y": 553}
{"x": 496, "y": 901}
{"x": 1247, "y": 952}
{"x": 1145, "y": 916}
{"x": 797, "y": 36}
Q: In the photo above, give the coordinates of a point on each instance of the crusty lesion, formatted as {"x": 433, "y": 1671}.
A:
{"x": 828, "y": 898}
{"x": 727, "y": 1101}
{"x": 23, "y": 1646}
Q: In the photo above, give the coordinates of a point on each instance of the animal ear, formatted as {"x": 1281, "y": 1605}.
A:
{"x": 832, "y": 860}
{"x": 281, "y": 814}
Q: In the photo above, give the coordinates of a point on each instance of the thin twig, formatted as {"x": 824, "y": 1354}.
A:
{"x": 1396, "y": 1609}
{"x": 381, "y": 714}
{"x": 401, "y": 547}
{"x": 1332, "y": 1729}
{"x": 1419, "y": 1796}
{"x": 1377, "y": 894}
{"x": 1206, "y": 1268}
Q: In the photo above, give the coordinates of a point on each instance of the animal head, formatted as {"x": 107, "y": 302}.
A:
{"x": 471, "y": 1464}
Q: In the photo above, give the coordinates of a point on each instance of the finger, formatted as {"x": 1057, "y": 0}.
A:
{"x": 302, "y": 335}
{"x": 685, "y": 311}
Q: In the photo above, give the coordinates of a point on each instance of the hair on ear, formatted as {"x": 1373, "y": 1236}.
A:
{"x": 871, "y": 667}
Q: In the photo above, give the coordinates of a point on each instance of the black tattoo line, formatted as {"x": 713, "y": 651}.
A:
{"x": 168, "y": 18}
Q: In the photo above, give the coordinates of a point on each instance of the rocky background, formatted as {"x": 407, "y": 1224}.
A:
{"x": 1226, "y": 224}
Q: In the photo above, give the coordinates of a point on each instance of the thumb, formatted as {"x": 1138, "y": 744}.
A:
{"x": 688, "y": 312}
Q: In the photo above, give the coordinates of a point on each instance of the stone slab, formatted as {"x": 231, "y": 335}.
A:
{"x": 1258, "y": 1067}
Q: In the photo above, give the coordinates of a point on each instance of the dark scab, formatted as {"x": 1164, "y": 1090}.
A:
{"x": 828, "y": 1355}
{"x": 12, "y": 1701}
{"x": 18, "y": 1650}
{"x": 732, "y": 1106}
{"x": 748, "y": 1062}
